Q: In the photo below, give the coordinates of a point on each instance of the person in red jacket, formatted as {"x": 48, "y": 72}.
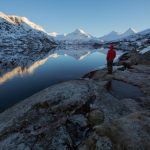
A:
{"x": 110, "y": 58}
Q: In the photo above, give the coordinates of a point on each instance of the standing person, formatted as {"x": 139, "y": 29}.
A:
{"x": 110, "y": 58}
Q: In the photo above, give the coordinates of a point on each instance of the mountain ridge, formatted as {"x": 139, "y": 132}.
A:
{"x": 116, "y": 35}
{"x": 80, "y": 34}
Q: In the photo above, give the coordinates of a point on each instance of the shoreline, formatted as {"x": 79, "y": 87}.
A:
{"x": 88, "y": 104}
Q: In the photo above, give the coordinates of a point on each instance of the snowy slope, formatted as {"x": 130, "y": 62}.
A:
{"x": 145, "y": 50}
{"x": 23, "y": 22}
{"x": 21, "y": 41}
{"x": 129, "y": 32}
{"x": 147, "y": 31}
{"x": 20, "y": 32}
{"x": 111, "y": 36}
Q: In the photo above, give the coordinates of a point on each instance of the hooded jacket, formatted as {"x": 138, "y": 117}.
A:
{"x": 111, "y": 54}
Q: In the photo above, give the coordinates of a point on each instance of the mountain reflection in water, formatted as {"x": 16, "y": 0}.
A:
{"x": 61, "y": 65}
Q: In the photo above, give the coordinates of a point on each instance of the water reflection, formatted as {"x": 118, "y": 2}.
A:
{"x": 61, "y": 65}
{"x": 30, "y": 68}
{"x": 122, "y": 90}
{"x": 21, "y": 71}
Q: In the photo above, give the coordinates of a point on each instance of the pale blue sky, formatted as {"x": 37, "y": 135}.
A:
{"x": 98, "y": 17}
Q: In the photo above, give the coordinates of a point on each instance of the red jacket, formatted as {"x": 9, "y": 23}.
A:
{"x": 111, "y": 54}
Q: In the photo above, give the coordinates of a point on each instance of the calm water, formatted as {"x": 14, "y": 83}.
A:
{"x": 60, "y": 66}
{"x": 119, "y": 89}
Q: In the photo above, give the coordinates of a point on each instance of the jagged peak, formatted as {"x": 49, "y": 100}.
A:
{"x": 80, "y": 31}
{"x": 17, "y": 19}
{"x": 13, "y": 17}
{"x": 5, "y": 17}
{"x": 131, "y": 30}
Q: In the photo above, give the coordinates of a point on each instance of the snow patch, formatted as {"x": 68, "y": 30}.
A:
{"x": 145, "y": 50}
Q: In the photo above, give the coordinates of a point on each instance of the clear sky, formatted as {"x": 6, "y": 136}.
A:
{"x": 97, "y": 17}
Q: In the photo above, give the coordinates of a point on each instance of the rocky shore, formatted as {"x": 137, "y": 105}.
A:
{"x": 97, "y": 112}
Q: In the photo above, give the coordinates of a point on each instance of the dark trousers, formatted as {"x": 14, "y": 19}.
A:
{"x": 110, "y": 66}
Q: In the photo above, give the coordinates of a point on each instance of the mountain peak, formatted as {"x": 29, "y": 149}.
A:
{"x": 78, "y": 34}
{"x": 80, "y": 31}
{"x": 22, "y": 21}
{"x": 115, "y": 35}
{"x": 131, "y": 30}
{"x": 110, "y": 36}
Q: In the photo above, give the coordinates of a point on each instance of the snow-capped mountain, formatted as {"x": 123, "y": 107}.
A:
{"x": 139, "y": 41}
{"x": 76, "y": 37}
{"x": 144, "y": 32}
{"x": 20, "y": 32}
{"x": 111, "y": 36}
{"x": 115, "y": 35}
{"x": 78, "y": 34}
{"x": 20, "y": 40}
{"x": 129, "y": 32}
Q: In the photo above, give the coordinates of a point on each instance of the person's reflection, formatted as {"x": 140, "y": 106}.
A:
{"x": 109, "y": 86}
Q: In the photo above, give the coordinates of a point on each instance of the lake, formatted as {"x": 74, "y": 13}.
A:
{"x": 58, "y": 66}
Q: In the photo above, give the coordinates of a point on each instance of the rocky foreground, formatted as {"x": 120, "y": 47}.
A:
{"x": 98, "y": 112}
